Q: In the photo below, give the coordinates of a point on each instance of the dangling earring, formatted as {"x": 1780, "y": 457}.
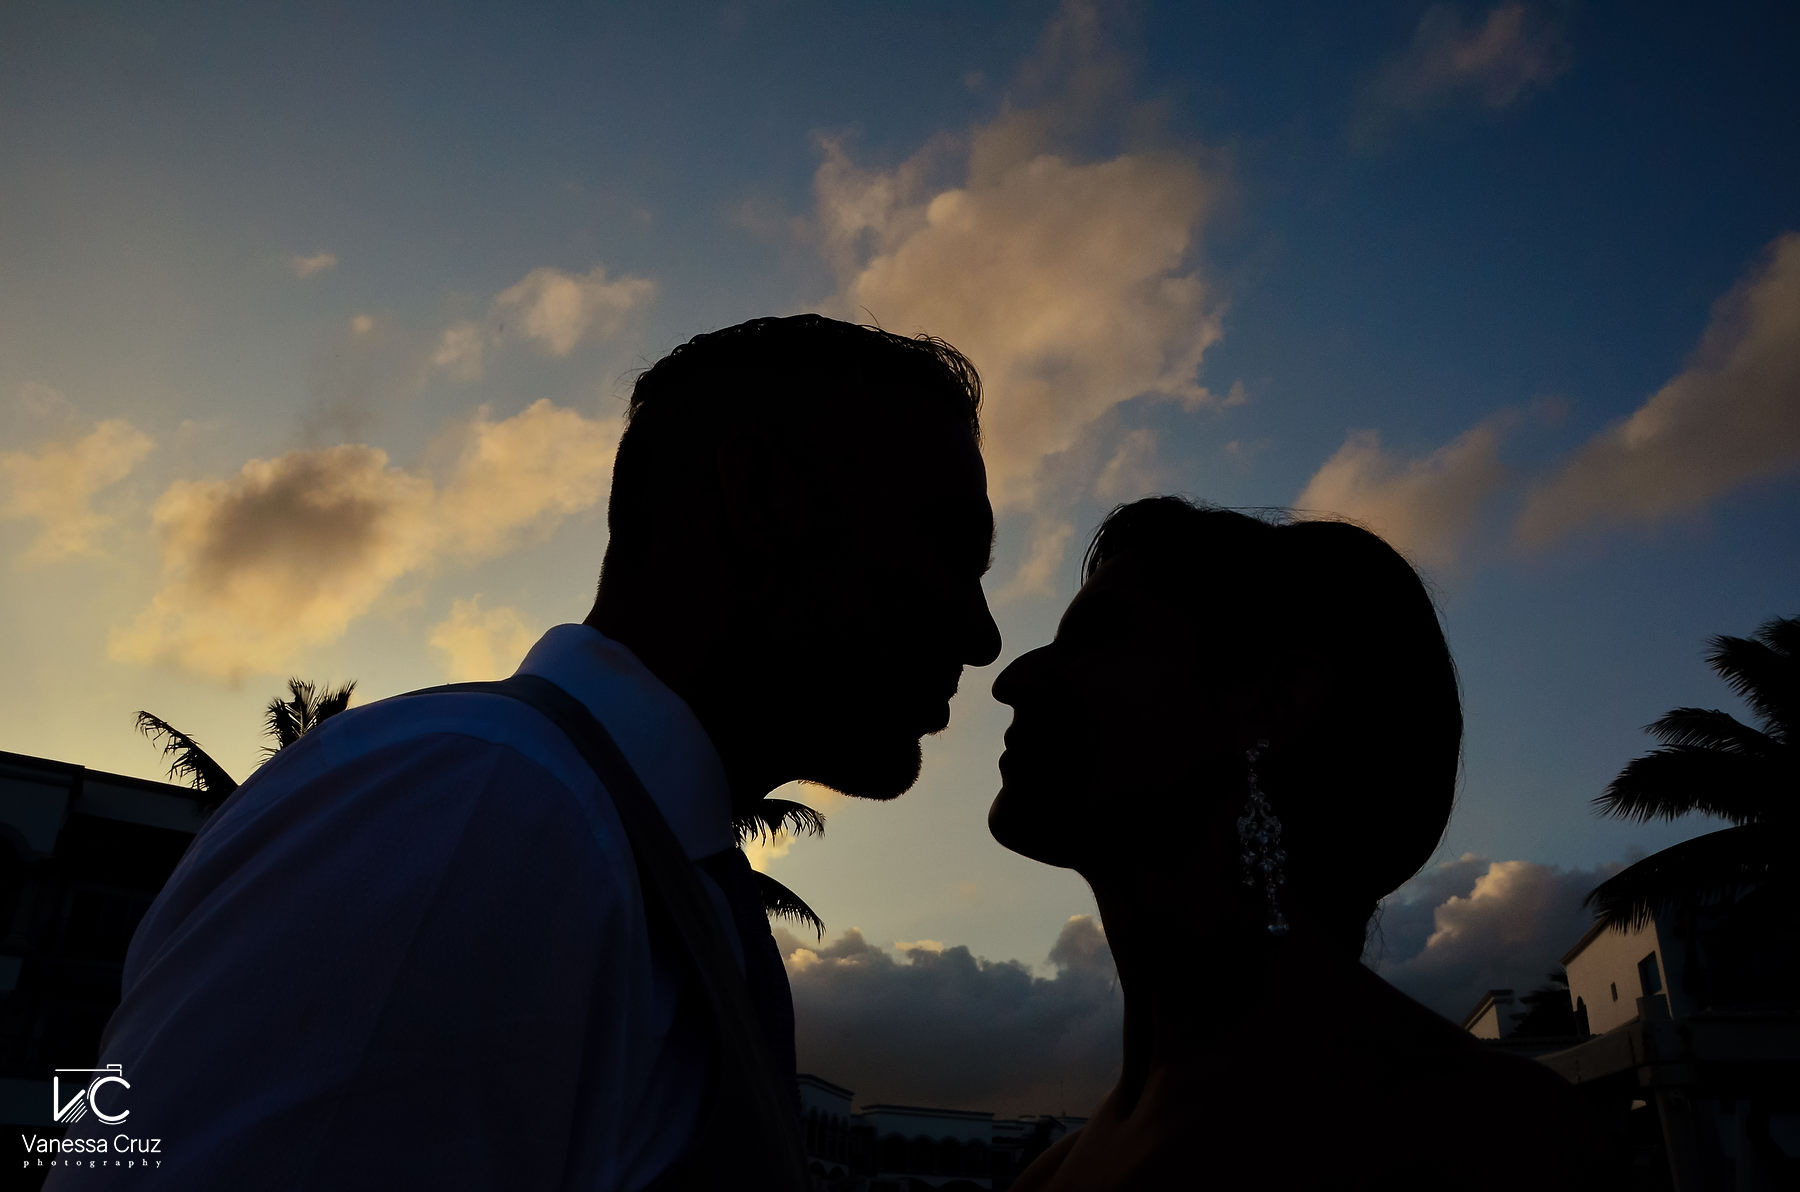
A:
{"x": 1259, "y": 842}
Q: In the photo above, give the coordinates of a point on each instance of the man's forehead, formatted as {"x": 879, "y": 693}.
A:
{"x": 930, "y": 476}
{"x": 922, "y": 452}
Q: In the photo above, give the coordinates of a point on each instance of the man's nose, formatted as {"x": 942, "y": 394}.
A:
{"x": 984, "y": 635}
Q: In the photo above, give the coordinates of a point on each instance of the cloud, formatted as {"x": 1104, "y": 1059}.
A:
{"x": 559, "y": 310}
{"x": 1470, "y": 925}
{"x": 286, "y": 554}
{"x": 1131, "y": 469}
{"x": 319, "y": 262}
{"x": 1729, "y": 419}
{"x": 1497, "y": 62}
{"x": 55, "y": 485}
{"x": 1425, "y": 506}
{"x": 762, "y": 850}
{"x": 1036, "y": 576}
{"x": 478, "y": 643}
{"x": 940, "y": 1026}
{"x": 1067, "y": 281}
{"x": 458, "y": 354}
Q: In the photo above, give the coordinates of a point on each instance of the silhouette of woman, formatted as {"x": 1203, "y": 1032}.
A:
{"x": 1244, "y": 735}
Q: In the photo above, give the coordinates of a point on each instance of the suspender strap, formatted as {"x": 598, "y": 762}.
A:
{"x": 751, "y": 1111}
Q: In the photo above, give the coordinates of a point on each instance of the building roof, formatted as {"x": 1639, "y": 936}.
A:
{"x": 1587, "y": 937}
{"x": 961, "y": 1115}
{"x": 70, "y": 772}
{"x": 1487, "y": 999}
{"x": 819, "y": 1082}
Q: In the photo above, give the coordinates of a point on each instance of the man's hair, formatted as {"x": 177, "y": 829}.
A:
{"x": 793, "y": 379}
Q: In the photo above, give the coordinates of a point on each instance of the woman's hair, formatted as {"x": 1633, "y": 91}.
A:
{"x": 1324, "y": 614}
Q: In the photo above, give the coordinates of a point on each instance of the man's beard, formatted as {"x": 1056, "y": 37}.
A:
{"x": 868, "y": 769}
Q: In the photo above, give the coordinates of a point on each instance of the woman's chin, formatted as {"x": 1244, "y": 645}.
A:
{"x": 1025, "y": 830}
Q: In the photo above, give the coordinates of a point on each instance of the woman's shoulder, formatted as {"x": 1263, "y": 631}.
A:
{"x": 1411, "y": 1047}
{"x": 1459, "y": 1098}
{"x": 1043, "y": 1170}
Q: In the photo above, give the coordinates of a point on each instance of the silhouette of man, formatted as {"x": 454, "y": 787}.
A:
{"x": 438, "y": 942}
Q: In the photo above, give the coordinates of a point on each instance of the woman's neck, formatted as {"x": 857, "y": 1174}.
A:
{"x": 1203, "y": 991}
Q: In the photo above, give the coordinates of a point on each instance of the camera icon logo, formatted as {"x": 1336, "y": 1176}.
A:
{"x": 88, "y": 1097}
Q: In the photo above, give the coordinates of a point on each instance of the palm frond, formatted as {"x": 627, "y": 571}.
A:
{"x": 1680, "y": 779}
{"x": 333, "y": 702}
{"x": 783, "y": 903}
{"x": 770, "y": 816}
{"x": 286, "y": 718}
{"x": 1780, "y": 634}
{"x": 1709, "y": 728}
{"x": 290, "y": 719}
{"x": 1707, "y": 869}
{"x": 190, "y": 763}
{"x": 1764, "y": 670}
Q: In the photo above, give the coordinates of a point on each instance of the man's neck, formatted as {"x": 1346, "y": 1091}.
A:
{"x": 671, "y": 638}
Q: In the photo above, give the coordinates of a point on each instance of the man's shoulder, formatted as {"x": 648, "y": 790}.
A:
{"x": 394, "y": 798}
{"x": 421, "y": 728}
{"x": 419, "y": 766}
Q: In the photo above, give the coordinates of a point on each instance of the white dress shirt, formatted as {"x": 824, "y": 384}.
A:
{"x": 411, "y": 951}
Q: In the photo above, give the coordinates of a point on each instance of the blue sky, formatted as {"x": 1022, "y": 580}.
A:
{"x": 1516, "y": 284}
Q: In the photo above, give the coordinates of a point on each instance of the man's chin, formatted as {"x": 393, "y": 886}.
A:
{"x": 870, "y": 770}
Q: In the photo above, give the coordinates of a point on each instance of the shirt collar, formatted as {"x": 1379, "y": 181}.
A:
{"x": 654, "y": 728}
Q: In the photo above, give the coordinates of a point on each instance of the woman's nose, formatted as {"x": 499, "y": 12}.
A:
{"x": 1012, "y": 682}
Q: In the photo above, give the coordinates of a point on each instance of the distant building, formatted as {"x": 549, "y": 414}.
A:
{"x": 1695, "y": 1055}
{"x": 909, "y": 1148}
{"x": 83, "y": 853}
{"x": 825, "y": 1124}
{"x": 1492, "y": 1016}
{"x": 1610, "y": 970}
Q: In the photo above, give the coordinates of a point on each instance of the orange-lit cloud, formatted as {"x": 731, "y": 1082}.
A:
{"x": 1424, "y": 506}
{"x": 554, "y": 310}
{"x": 480, "y": 643}
{"x": 55, "y": 486}
{"x": 763, "y": 850}
{"x": 1067, "y": 281}
{"x": 559, "y": 310}
{"x": 940, "y": 1026}
{"x": 1729, "y": 419}
{"x": 1466, "y": 926}
{"x": 286, "y": 554}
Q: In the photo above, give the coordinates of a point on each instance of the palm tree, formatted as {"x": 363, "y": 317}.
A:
{"x": 761, "y": 823}
{"x": 1548, "y": 1012}
{"x": 305, "y": 709}
{"x": 1711, "y": 762}
{"x": 287, "y": 720}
